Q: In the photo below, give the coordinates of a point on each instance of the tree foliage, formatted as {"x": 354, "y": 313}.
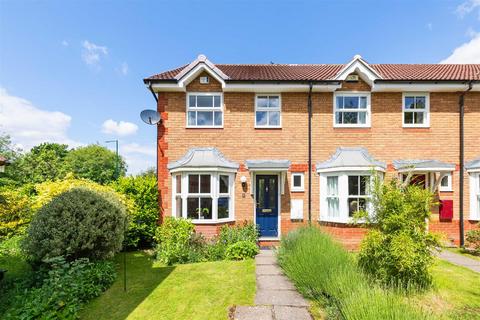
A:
{"x": 15, "y": 212}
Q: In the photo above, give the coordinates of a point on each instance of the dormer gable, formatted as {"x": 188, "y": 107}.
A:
{"x": 199, "y": 66}
{"x": 361, "y": 68}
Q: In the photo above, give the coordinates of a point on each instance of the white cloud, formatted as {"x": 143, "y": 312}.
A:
{"x": 123, "y": 69}
{"x": 467, "y": 7}
{"x": 65, "y": 43}
{"x": 120, "y": 128}
{"x": 93, "y": 53}
{"x": 136, "y": 148}
{"x": 29, "y": 125}
{"x": 138, "y": 157}
{"x": 468, "y": 52}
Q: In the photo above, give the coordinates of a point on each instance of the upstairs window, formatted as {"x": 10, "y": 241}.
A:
{"x": 416, "y": 109}
{"x": 268, "y": 111}
{"x": 352, "y": 110}
{"x": 204, "y": 110}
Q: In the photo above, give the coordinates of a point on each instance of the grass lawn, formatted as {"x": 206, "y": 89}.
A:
{"x": 190, "y": 291}
{"x": 465, "y": 253}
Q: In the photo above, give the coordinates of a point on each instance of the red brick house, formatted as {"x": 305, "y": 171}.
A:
{"x": 236, "y": 142}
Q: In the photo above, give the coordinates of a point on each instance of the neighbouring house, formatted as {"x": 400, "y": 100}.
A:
{"x": 235, "y": 142}
{"x": 3, "y": 163}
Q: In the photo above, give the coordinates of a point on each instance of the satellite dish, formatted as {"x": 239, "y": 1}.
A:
{"x": 150, "y": 116}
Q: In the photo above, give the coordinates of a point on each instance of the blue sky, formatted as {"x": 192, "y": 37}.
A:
{"x": 67, "y": 67}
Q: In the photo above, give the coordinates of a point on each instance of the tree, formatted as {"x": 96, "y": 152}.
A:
{"x": 12, "y": 174}
{"x": 94, "y": 162}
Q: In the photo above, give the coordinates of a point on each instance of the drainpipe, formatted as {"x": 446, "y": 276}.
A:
{"x": 462, "y": 160}
{"x": 310, "y": 153}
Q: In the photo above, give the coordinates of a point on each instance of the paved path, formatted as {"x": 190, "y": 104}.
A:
{"x": 460, "y": 260}
{"x": 276, "y": 297}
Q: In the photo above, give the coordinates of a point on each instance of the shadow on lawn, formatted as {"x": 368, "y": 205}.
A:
{"x": 142, "y": 278}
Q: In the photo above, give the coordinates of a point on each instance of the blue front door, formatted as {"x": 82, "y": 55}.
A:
{"x": 266, "y": 196}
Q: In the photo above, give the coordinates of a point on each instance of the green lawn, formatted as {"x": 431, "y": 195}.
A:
{"x": 191, "y": 291}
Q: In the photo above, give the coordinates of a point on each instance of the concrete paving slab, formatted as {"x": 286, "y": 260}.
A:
{"x": 274, "y": 282}
{"x": 253, "y": 313}
{"x": 268, "y": 270}
{"x": 291, "y": 313}
{"x": 261, "y": 260}
{"x": 460, "y": 260}
{"x": 266, "y": 253}
{"x": 280, "y": 298}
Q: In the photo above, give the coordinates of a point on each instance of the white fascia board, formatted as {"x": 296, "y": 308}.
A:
{"x": 473, "y": 170}
{"x": 359, "y": 169}
{"x": 422, "y": 87}
{"x": 167, "y": 87}
{"x": 202, "y": 169}
{"x": 268, "y": 87}
{"x": 425, "y": 170}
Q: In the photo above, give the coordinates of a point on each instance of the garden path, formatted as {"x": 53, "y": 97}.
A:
{"x": 276, "y": 297}
{"x": 460, "y": 260}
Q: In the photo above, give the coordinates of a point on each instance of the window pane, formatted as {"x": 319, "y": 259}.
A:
{"x": 218, "y": 118}
{"x": 419, "y": 117}
{"x": 216, "y": 101}
{"x": 353, "y": 185}
{"x": 191, "y": 101}
{"x": 274, "y": 102}
{"x": 408, "y": 117}
{"x": 332, "y": 186}
{"x": 271, "y": 194}
{"x": 193, "y": 183}
{"x": 333, "y": 207}
{"x": 339, "y": 102}
{"x": 444, "y": 182}
{"x": 261, "y": 193}
{"x": 362, "y": 204}
{"x": 338, "y": 117}
{"x": 364, "y": 184}
{"x": 363, "y": 102}
{"x": 205, "y": 101}
{"x": 206, "y": 208}
{"x": 350, "y": 117}
{"x": 262, "y": 101}
{"x": 223, "y": 184}
{"x": 223, "y": 207}
{"x": 178, "y": 206}
{"x": 362, "y": 117}
{"x": 261, "y": 118}
{"x": 205, "y": 183}
{"x": 192, "y": 118}
{"x": 274, "y": 118}
{"x": 178, "y": 183}
{"x": 192, "y": 208}
{"x": 353, "y": 204}
{"x": 409, "y": 102}
{"x": 204, "y": 118}
{"x": 350, "y": 102}
{"x": 297, "y": 180}
{"x": 420, "y": 103}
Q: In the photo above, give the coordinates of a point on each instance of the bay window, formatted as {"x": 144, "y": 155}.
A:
{"x": 475, "y": 196}
{"x": 351, "y": 109}
{"x": 204, "y": 110}
{"x": 206, "y": 196}
{"x": 416, "y": 109}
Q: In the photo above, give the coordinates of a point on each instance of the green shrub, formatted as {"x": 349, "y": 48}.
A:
{"x": 473, "y": 240}
{"x": 398, "y": 250}
{"x": 322, "y": 270}
{"x": 15, "y": 213}
{"x": 79, "y": 223}
{"x": 241, "y": 250}
{"x": 174, "y": 240}
{"x": 232, "y": 234}
{"x": 143, "y": 216}
{"x": 59, "y": 289}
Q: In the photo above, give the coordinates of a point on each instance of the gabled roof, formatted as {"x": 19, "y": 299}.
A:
{"x": 422, "y": 165}
{"x": 326, "y": 72}
{"x": 473, "y": 165}
{"x": 348, "y": 159}
{"x": 203, "y": 158}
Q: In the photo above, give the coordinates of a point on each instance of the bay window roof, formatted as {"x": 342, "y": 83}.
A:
{"x": 279, "y": 165}
{"x": 473, "y": 166}
{"x": 197, "y": 159}
{"x": 350, "y": 159}
{"x": 422, "y": 165}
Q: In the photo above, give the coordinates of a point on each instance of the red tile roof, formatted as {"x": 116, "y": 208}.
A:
{"x": 321, "y": 72}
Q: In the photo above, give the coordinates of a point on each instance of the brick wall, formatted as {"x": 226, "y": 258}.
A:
{"x": 386, "y": 140}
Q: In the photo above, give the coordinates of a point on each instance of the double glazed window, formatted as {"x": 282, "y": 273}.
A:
{"x": 204, "y": 110}
{"x": 352, "y": 110}
{"x": 268, "y": 111}
{"x": 203, "y": 197}
{"x": 342, "y": 194}
{"x": 416, "y": 110}
{"x": 475, "y": 196}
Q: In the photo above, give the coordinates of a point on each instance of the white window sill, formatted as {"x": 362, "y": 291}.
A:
{"x": 206, "y": 221}
{"x": 297, "y": 190}
{"x": 352, "y": 126}
{"x": 268, "y": 127}
{"x": 445, "y": 190}
{"x": 409, "y": 126}
{"x": 343, "y": 221}
{"x": 204, "y": 127}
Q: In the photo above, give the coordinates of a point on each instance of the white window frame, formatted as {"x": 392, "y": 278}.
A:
{"x": 343, "y": 195}
{"x": 449, "y": 186}
{"x": 300, "y": 188}
{"x": 426, "y": 112}
{"x": 267, "y": 109}
{"x": 475, "y": 196}
{"x": 368, "y": 119}
{"x": 214, "y": 195}
{"x": 188, "y": 108}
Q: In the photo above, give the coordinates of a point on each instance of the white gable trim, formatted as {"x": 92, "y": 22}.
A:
{"x": 199, "y": 65}
{"x": 361, "y": 67}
